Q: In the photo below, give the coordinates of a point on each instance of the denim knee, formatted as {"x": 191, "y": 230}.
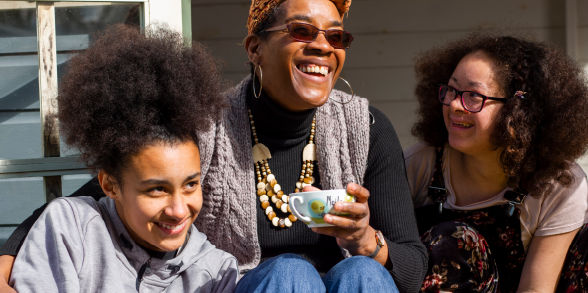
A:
{"x": 284, "y": 273}
{"x": 359, "y": 274}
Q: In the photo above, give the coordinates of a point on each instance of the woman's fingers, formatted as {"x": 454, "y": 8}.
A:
{"x": 351, "y": 209}
{"x": 361, "y": 193}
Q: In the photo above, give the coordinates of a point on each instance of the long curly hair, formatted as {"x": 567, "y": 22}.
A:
{"x": 539, "y": 136}
{"x": 129, "y": 90}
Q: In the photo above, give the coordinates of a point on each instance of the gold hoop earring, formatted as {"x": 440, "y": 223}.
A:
{"x": 256, "y": 95}
{"x": 350, "y": 88}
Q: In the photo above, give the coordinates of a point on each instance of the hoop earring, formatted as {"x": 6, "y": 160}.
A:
{"x": 372, "y": 119}
{"x": 256, "y": 95}
{"x": 350, "y": 88}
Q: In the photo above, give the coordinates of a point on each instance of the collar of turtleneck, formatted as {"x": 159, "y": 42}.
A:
{"x": 275, "y": 124}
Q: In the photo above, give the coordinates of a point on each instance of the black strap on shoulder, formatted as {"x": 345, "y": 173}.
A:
{"x": 515, "y": 198}
{"x": 437, "y": 191}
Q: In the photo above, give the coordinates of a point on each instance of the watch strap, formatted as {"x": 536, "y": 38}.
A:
{"x": 379, "y": 243}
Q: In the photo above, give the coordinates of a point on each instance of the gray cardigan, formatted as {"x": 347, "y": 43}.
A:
{"x": 228, "y": 215}
{"x": 80, "y": 245}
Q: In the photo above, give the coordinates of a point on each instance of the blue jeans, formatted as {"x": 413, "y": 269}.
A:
{"x": 292, "y": 273}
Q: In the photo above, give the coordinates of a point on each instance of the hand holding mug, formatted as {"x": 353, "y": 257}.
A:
{"x": 351, "y": 227}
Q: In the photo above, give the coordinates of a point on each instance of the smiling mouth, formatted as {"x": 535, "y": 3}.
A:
{"x": 462, "y": 124}
{"x": 172, "y": 229}
{"x": 314, "y": 69}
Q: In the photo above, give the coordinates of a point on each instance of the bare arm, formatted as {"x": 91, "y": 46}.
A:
{"x": 6, "y": 262}
{"x": 544, "y": 261}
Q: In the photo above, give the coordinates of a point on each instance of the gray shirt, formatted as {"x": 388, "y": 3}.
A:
{"x": 80, "y": 245}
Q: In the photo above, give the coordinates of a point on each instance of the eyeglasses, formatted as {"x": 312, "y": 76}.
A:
{"x": 471, "y": 101}
{"x": 304, "y": 32}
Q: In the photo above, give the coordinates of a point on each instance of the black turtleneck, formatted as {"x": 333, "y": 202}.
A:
{"x": 286, "y": 133}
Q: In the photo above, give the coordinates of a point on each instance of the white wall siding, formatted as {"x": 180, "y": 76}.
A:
{"x": 389, "y": 34}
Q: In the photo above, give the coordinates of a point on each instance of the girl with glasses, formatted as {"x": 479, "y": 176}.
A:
{"x": 287, "y": 130}
{"x": 499, "y": 200}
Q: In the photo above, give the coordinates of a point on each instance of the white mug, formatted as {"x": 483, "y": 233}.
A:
{"x": 311, "y": 206}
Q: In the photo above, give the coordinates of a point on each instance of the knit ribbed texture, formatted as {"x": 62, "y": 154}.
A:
{"x": 342, "y": 158}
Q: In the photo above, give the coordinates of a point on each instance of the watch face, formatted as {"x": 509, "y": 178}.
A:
{"x": 380, "y": 238}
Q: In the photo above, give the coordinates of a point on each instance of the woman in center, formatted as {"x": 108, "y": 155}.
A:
{"x": 297, "y": 50}
{"x": 252, "y": 159}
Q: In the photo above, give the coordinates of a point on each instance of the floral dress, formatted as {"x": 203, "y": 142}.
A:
{"x": 481, "y": 250}
{"x": 470, "y": 251}
{"x": 574, "y": 275}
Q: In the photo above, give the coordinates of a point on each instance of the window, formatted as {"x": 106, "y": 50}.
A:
{"x": 35, "y": 166}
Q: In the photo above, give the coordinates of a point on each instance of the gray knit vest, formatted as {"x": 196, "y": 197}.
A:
{"x": 228, "y": 215}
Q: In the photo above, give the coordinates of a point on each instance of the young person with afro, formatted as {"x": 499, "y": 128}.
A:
{"x": 133, "y": 104}
{"x": 500, "y": 200}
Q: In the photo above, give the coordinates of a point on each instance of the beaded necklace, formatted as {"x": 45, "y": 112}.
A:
{"x": 267, "y": 185}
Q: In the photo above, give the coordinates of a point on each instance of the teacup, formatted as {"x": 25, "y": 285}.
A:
{"x": 311, "y": 206}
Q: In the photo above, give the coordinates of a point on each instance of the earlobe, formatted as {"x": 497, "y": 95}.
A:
{"x": 253, "y": 48}
{"x": 108, "y": 184}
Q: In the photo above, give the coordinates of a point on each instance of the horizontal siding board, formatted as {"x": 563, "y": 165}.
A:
{"x": 372, "y": 51}
{"x": 381, "y": 83}
{"x": 583, "y": 43}
{"x": 454, "y": 15}
{"x": 220, "y": 2}
{"x": 19, "y": 197}
{"x": 400, "y": 113}
{"x": 205, "y": 21}
{"x": 21, "y": 135}
{"x": 71, "y": 183}
{"x": 20, "y": 89}
{"x": 582, "y": 13}
{"x": 21, "y": 45}
{"x": 413, "y": 16}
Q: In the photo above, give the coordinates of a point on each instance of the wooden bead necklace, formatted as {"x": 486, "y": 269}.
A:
{"x": 267, "y": 185}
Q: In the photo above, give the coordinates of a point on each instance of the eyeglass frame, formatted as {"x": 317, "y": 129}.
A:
{"x": 460, "y": 94}
{"x": 285, "y": 28}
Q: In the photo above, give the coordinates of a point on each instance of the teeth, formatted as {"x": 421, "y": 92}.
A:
{"x": 173, "y": 228}
{"x": 311, "y": 68}
{"x": 463, "y": 124}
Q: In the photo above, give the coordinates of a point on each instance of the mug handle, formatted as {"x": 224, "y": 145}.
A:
{"x": 295, "y": 212}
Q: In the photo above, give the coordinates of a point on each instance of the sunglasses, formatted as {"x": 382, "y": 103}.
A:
{"x": 304, "y": 32}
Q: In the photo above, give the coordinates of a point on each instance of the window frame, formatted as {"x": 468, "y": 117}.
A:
{"x": 52, "y": 166}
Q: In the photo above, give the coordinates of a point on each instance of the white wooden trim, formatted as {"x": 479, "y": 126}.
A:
{"x": 167, "y": 12}
{"x": 5, "y": 5}
{"x": 102, "y": 1}
{"x": 48, "y": 91}
{"x": 48, "y": 78}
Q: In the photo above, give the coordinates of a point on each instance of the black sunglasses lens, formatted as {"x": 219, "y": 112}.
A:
{"x": 302, "y": 32}
{"x": 336, "y": 38}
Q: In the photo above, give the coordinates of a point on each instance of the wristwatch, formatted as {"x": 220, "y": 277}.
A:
{"x": 380, "y": 242}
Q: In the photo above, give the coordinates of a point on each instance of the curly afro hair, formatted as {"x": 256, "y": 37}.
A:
{"x": 540, "y": 135}
{"x": 130, "y": 90}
